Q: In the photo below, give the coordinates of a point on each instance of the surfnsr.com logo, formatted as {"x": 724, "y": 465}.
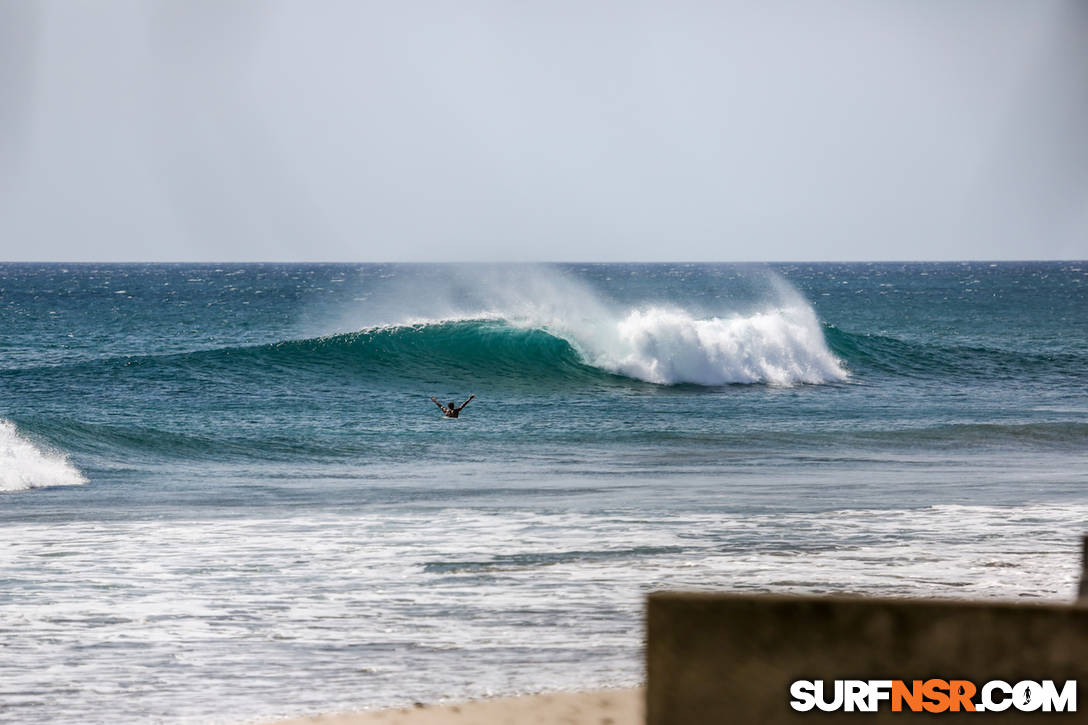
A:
{"x": 933, "y": 696}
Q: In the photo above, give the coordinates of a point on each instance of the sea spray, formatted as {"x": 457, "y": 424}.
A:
{"x": 23, "y": 465}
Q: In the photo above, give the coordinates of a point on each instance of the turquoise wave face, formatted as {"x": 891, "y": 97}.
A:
{"x": 482, "y": 351}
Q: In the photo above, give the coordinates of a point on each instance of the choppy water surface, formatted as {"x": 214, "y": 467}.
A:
{"x": 226, "y": 495}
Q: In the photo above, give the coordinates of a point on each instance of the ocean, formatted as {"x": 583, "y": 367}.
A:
{"x": 225, "y": 494}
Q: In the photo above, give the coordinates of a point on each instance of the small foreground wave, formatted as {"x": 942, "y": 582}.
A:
{"x": 24, "y": 466}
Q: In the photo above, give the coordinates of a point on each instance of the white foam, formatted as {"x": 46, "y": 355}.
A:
{"x": 23, "y": 466}
{"x": 277, "y": 617}
{"x": 781, "y": 346}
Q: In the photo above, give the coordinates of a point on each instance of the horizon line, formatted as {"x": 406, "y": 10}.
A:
{"x": 562, "y": 262}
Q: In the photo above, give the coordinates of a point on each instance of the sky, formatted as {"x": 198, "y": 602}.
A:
{"x": 543, "y": 130}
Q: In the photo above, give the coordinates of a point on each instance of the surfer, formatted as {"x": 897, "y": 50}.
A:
{"x": 454, "y": 409}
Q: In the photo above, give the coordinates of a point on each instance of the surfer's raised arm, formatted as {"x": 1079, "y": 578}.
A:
{"x": 452, "y": 410}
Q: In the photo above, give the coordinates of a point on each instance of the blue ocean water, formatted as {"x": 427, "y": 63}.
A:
{"x": 225, "y": 494}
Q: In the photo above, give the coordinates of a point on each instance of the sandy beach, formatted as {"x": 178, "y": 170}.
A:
{"x": 601, "y": 707}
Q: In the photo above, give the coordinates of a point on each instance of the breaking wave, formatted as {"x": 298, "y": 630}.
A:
{"x": 24, "y": 466}
{"x": 525, "y": 326}
{"x": 652, "y": 345}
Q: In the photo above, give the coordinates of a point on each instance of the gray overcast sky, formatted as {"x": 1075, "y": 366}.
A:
{"x": 543, "y": 130}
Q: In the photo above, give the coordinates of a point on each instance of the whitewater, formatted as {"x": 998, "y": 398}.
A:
{"x": 230, "y": 480}
{"x": 24, "y": 466}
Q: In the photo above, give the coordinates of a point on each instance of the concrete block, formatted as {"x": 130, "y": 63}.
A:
{"x": 731, "y": 658}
